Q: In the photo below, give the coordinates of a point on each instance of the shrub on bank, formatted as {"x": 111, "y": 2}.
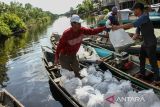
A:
{"x": 13, "y": 21}
{"x": 4, "y": 29}
{"x": 105, "y": 11}
{"x": 18, "y": 18}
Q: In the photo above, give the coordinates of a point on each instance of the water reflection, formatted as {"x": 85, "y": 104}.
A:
{"x": 21, "y": 68}
{"x": 12, "y": 47}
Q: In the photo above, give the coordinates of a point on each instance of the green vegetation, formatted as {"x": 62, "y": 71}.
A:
{"x": 17, "y": 18}
{"x": 4, "y": 29}
{"x": 15, "y": 24}
{"x": 105, "y": 11}
{"x": 86, "y": 7}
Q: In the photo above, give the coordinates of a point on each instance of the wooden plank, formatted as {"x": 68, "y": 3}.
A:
{"x": 57, "y": 80}
{"x": 65, "y": 94}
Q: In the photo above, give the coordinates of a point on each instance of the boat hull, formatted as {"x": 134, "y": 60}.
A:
{"x": 7, "y": 100}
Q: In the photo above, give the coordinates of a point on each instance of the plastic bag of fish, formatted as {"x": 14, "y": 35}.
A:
{"x": 99, "y": 89}
{"x": 66, "y": 73}
{"x": 72, "y": 84}
{"x": 144, "y": 98}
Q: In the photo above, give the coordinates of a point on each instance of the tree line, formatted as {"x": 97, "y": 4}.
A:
{"x": 89, "y": 6}
{"x": 17, "y": 18}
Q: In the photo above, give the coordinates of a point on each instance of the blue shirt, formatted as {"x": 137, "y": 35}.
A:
{"x": 145, "y": 27}
{"x": 144, "y": 18}
{"x": 113, "y": 19}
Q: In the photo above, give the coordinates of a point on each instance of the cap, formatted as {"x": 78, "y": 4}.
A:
{"x": 114, "y": 9}
{"x": 76, "y": 18}
{"x": 138, "y": 5}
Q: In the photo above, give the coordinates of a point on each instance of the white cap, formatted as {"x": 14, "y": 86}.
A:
{"x": 76, "y": 18}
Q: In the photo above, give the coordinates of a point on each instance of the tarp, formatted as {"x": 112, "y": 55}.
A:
{"x": 103, "y": 52}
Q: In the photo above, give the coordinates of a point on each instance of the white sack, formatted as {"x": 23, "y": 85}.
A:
{"x": 114, "y": 80}
{"x": 117, "y": 94}
{"x": 149, "y": 96}
{"x": 131, "y": 94}
{"x": 125, "y": 86}
{"x": 102, "y": 87}
{"x": 116, "y": 105}
{"x": 91, "y": 80}
{"x": 68, "y": 74}
{"x": 146, "y": 98}
{"x": 156, "y": 104}
{"x": 119, "y": 38}
{"x": 84, "y": 72}
{"x": 80, "y": 52}
{"x": 72, "y": 84}
{"x": 92, "y": 69}
{"x": 113, "y": 87}
{"x": 99, "y": 74}
{"x": 97, "y": 100}
{"x": 107, "y": 75}
{"x": 83, "y": 94}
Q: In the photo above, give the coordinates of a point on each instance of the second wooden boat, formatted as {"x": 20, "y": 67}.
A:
{"x": 126, "y": 65}
{"x": 8, "y": 100}
{"x": 104, "y": 42}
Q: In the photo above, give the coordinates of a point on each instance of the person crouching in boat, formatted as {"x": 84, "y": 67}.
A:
{"x": 148, "y": 48}
{"x": 70, "y": 42}
{"x": 113, "y": 17}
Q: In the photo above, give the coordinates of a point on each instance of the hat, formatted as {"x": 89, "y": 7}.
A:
{"x": 138, "y": 5}
{"x": 114, "y": 9}
{"x": 76, "y": 18}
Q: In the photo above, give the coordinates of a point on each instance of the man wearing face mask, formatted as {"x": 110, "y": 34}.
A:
{"x": 70, "y": 42}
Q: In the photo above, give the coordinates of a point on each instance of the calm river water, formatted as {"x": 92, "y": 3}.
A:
{"x": 21, "y": 69}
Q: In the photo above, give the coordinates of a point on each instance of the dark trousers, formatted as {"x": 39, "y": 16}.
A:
{"x": 150, "y": 52}
{"x": 70, "y": 63}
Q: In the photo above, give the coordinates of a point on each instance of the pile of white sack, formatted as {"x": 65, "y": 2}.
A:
{"x": 96, "y": 87}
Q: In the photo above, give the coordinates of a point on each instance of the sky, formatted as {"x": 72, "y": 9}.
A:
{"x": 54, "y": 6}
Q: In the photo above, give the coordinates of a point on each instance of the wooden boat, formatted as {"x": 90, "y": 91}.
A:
{"x": 65, "y": 98}
{"x": 119, "y": 70}
{"x": 7, "y": 100}
{"x": 117, "y": 62}
{"x": 155, "y": 20}
{"x": 53, "y": 72}
{"x": 104, "y": 42}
